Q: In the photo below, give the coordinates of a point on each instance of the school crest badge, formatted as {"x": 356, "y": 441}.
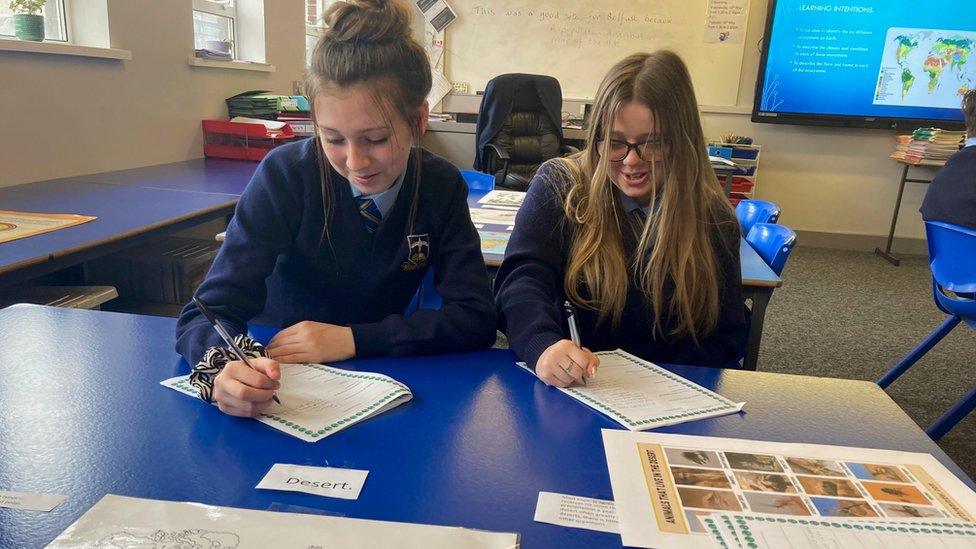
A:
{"x": 418, "y": 250}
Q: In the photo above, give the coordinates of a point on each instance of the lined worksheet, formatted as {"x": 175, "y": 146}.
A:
{"x": 641, "y": 395}
{"x": 319, "y": 400}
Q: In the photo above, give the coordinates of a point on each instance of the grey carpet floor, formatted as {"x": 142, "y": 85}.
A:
{"x": 853, "y": 315}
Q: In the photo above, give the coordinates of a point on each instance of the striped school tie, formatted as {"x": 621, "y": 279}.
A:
{"x": 370, "y": 213}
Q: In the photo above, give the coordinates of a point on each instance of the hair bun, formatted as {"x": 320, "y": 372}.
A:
{"x": 367, "y": 21}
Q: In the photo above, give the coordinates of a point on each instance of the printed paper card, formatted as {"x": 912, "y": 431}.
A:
{"x": 319, "y": 400}
{"x": 641, "y": 395}
{"x": 331, "y": 482}
{"x": 663, "y": 484}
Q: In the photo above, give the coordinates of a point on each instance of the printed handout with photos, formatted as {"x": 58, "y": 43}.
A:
{"x": 663, "y": 484}
{"x": 319, "y": 400}
{"x": 641, "y": 395}
{"x": 494, "y": 242}
{"x": 119, "y": 521}
{"x": 503, "y": 199}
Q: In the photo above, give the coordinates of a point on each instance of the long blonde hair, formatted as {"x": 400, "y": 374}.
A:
{"x": 676, "y": 246}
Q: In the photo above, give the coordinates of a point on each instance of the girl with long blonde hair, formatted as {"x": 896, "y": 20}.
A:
{"x": 634, "y": 231}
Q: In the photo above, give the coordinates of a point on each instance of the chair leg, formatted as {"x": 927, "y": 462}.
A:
{"x": 955, "y": 414}
{"x": 911, "y": 358}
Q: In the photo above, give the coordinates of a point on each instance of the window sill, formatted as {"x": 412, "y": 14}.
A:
{"x": 61, "y": 48}
{"x": 235, "y": 65}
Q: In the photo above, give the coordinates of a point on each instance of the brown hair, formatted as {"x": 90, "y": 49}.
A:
{"x": 689, "y": 206}
{"x": 969, "y": 112}
{"x": 369, "y": 42}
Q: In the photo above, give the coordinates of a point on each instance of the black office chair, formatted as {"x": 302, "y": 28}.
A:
{"x": 519, "y": 128}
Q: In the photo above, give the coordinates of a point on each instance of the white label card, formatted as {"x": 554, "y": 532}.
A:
{"x": 30, "y": 501}
{"x": 331, "y": 482}
{"x": 577, "y": 512}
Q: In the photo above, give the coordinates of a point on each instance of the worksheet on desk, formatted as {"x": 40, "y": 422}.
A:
{"x": 319, "y": 400}
{"x": 765, "y": 532}
{"x": 118, "y": 521}
{"x": 641, "y": 395}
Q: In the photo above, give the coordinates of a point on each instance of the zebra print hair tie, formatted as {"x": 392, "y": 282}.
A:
{"x": 215, "y": 358}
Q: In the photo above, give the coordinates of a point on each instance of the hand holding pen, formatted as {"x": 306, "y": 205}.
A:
{"x": 565, "y": 362}
{"x": 257, "y": 373}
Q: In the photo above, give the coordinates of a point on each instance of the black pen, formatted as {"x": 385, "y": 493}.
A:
{"x": 225, "y": 336}
{"x": 573, "y": 330}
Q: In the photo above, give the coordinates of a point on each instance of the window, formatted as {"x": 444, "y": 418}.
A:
{"x": 55, "y": 26}
{"x": 214, "y": 23}
{"x": 313, "y": 25}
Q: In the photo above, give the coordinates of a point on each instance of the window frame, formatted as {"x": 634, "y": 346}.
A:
{"x": 62, "y": 9}
{"x": 220, "y": 8}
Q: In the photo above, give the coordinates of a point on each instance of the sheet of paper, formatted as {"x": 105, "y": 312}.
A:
{"x": 268, "y": 124}
{"x": 117, "y": 521}
{"x": 664, "y": 484}
{"x": 494, "y": 242}
{"x": 319, "y": 400}
{"x": 493, "y": 216}
{"x": 331, "y": 482}
{"x": 437, "y": 12}
{"x": 30, "y": 501}
{"x": 506, "y": 199}
{"x": 577, "y": 512}
{"x": 765, "y": 532}
{"x": 641, "y": 395}
{"x": 16, "y": 225}
{"x": 440, "y": 87}
{"x": 725, "y": 21}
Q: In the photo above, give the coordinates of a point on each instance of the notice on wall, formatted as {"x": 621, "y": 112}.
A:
{"x": 725, "y": 21}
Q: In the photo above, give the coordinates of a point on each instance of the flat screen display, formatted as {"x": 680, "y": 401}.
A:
{"x": 897, "y": 64}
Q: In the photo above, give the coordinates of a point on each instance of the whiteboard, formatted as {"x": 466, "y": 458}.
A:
{"x": 577, "y": 42}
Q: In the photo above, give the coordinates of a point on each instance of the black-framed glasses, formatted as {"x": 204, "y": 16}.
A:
{"x": 652, "y": 150}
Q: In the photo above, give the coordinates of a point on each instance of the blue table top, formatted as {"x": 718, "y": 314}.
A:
{"x": 122, "y": 212}
{"x": 84, "y": 415}
{"x": 206, "y": 175}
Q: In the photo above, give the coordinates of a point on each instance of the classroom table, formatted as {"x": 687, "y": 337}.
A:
{"x": 126, "y": 216}
{"x": 758, "y": 283}
{"x": 84, "y": 415}
{"x": 205, "y": 175}
{"x": 932, "y": 165}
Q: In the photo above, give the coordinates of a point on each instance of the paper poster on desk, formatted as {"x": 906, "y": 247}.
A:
{"x": 511, "y": 200}
{"x": 319, "y": 400}
{"x": 489, "y": 216}
{"x": 494, "y": 242}
{"x": 663, "y": 484}
{"x": 118, "y": 521}
{"x": 17, "y": 225}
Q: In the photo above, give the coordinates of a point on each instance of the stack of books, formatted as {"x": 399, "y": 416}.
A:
{"x": 261, "y": 104}
{"x": 931, "y": 146}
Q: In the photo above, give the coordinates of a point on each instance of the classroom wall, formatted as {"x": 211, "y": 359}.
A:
{"x": 76, "y": 115}
{"x": 837, "y": 181}
{"x": 65, "y": 116}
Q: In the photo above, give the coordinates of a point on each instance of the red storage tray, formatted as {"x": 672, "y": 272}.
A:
{"x": 240, "y": 140}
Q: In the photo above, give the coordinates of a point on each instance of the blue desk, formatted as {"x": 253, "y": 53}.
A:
{"x": 126, "y": 216}
{"x": 758, "y": 283}
{"x": 204, "y": 175}
{"x": 473, "y": 448}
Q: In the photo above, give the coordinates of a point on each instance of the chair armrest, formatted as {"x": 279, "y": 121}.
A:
{"x": 502, "y": 153}
{"x": 568, "y": 149}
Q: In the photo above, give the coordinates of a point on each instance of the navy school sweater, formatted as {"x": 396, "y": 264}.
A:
{"x": 951, "y": 197}
{"x": 272, "y": 263}
{"x": 529, "y": 292}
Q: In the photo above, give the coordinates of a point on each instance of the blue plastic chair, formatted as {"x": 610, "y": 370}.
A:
{"x": 426, "y": 296}
{"x": 749, "y": 212}
{"x": 952, "y": 258}
{"x": 773, "y": 243}
{"x": 478, "y": 181}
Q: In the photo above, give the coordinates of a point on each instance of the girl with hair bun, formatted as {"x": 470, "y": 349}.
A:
{"x": 633, "y": 230}
{"x": 334, "y": 234}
